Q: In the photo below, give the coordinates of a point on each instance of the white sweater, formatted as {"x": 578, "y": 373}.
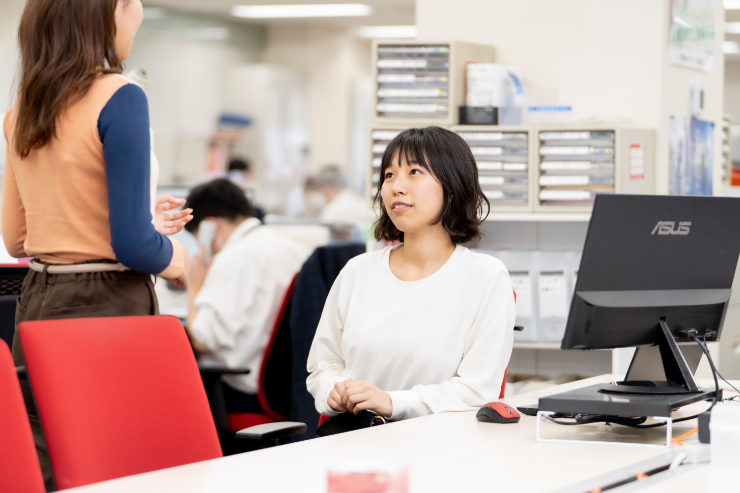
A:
{"x": 435, "y": 345}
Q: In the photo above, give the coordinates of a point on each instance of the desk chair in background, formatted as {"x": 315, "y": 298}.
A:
{"x": 273, "y": 388}
{"x": 117, "y": 396}
{"x": 282, "y": 389}
{"x": 311, "y": 290}
{"x": 11, "y": 281}
{"x": 19, "y": 465}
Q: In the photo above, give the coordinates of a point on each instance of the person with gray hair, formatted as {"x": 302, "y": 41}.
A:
{"x": 342, "y": 205}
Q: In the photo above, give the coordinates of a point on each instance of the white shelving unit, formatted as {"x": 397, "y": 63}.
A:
{"x": 504, "y": 155}
{"x": 422, "y": 81}
{"x": 545, "y": 217}
{"x": 536, "y": 345}
{"x": 726, "y": 149}
{"x": 577, "y": 162}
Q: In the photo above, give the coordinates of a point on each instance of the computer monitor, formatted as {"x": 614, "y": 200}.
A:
{"x": 651, "y": 266}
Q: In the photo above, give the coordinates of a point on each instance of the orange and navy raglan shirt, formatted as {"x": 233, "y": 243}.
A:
{"x": 87, "y": 194}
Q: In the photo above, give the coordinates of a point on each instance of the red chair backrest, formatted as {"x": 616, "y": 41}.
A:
{"x": 117, "y": 396}
{"x": 275, "y": 374}
{"x": 19, "y": 464}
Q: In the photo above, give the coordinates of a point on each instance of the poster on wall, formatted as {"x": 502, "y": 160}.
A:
{"x": 691, "y": 39}
{"x": 701, "y": 156}
{"x": 691, "y": 156}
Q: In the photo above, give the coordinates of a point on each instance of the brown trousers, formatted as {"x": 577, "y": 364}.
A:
{"x": 92, "y": 294}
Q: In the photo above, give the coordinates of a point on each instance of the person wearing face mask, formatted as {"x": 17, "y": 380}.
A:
{"x": 426, "y": 326}
{"x": 78, "y": 193}
{"x": 237, "y": 286}
{"x": 338, "y": 203}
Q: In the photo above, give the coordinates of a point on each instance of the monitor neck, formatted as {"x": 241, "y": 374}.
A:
{"x": 679, "y": 378}
{"x": 677, "y": 372}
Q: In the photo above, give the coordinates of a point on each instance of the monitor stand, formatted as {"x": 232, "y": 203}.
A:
{"x": 679, "y": 378}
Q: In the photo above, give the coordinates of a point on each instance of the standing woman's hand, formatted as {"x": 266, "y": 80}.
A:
{"x": 183, "y": 280}
{"x": 170, "y": 224}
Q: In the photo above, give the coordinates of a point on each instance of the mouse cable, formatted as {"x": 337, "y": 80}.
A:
{"x": 692, "y": 334}
{"x": 585, "y": 419}
{"x": 723, "y": 378}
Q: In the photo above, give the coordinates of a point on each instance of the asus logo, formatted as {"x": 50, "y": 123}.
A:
{"x": 669, "y": 228}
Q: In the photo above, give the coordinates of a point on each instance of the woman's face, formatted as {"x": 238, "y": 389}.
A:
{"x": 411, "y": 195}
{"x": 129, "y": 14}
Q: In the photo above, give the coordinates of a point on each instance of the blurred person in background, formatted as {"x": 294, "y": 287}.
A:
{"x": 239, "y": 172}
{"x": 79, "y": 187}
{"x": 341, "y": 204}
{"x": 234, "y": 299}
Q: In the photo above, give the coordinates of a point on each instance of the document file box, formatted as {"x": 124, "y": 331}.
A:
{"x": 422, "y": 82}
{"x": 577, "y": 163}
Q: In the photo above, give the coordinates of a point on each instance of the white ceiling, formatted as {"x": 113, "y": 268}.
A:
{"x": 385, "y": 12}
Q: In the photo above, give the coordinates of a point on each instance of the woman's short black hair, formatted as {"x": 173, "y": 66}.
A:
{"x": 218, "y": 198}
{"x": 449, "y": 158}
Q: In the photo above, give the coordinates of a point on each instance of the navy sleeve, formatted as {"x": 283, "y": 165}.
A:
{"x": 123, "y": 126}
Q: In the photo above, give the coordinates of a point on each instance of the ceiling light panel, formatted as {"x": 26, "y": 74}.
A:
{"x": 388, "y": 32}
{"x": 731, "y": 47}
{"x": 301, "y": 10}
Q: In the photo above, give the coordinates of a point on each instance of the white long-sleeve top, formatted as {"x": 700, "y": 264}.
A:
{"x": 435, "y": 345}
{"x": 241, "y": 297}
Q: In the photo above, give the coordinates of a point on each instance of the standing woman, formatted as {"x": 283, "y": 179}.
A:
{"x": 78, "y": 189}
{"x": 427, "y": 326}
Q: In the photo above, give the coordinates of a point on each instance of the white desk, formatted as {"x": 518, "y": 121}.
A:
{"x": 449, "y": 452}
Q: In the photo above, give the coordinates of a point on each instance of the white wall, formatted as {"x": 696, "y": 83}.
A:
{"x": 333, "y": 61}
{"x": 606, "y": 58}
{"x": 732, "y": 90}
{"x": 10, "y": 12}
{"x": 675, "y": 88}
{"x": 185, "y": 99}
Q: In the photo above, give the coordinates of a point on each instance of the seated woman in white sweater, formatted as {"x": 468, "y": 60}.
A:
{"x": 427, "y": 326}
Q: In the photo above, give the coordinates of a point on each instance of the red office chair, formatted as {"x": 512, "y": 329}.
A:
{"x": 117, "y": 396}
{"x": 274, "y": 379}
{"x": 19, "y": 465}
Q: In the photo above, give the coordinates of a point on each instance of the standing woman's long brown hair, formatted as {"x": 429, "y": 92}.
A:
{"x": 78, "y": 45}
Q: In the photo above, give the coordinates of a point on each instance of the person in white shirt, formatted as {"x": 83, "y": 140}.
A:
{"x": 234, "y": 302}
{"x": 427, "y": 326}
{"x": 342, "y": 205}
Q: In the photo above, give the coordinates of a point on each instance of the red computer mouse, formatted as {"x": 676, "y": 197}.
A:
{"x": 498, "y": 412}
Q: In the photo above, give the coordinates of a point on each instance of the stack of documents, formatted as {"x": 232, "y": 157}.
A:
{"x": 413, "y": 81}
{"x": 575, "y": 167}
{"x": 503, "y": 164}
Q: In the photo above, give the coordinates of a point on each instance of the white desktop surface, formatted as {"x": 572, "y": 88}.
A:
{"x": 445, "y": 452}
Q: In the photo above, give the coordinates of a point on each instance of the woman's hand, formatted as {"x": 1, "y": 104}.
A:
{"x": 182, "y": 281}
{"x": 359, "y": 396}
{"x": 169, "y": 224}
{"x": 336, "y": 397}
